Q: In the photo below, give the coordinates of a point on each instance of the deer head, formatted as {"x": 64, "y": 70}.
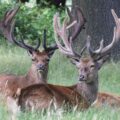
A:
{"x": 40, "y": 58}
{"x": 87, "y": 67}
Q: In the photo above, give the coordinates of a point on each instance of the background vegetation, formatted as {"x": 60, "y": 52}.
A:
{"x": 30, "y": 22}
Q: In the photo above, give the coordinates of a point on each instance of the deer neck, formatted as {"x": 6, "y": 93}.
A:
{"x": 36, "y": 76}
{"x": 88, "y": 90}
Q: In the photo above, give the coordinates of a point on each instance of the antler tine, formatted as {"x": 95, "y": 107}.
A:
{"x": 5, "y": 17}
{"x": 108, "y": 47}
{"x": 61, "y": 32}
{"x": 116, "y": 33}
{"x": 7, "y": 22}
{"x": 117, "y": 20}
{"x": 9, "y": 16}
{"x": 44, "y": 39}
{"x": 54, "y": 47}
{"x": 37, "y": 44}
{"x": 7, "y": 26}
{"x": 80, "y": 21}
{"x": 22, "y": 44}
{"x": 30, "y": 48}
{"x": 89, "y": 48}
{"x": 102, "y": 51}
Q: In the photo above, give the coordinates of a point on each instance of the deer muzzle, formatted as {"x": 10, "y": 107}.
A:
{"x": 40, "y": 67}
{"x": 82, "y": 78}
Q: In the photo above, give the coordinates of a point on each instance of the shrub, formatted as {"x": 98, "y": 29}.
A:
{"x": 30, "y": 22}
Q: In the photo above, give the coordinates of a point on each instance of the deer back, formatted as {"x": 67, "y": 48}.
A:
{"x": 107, "y": 99}
{"x": 40, "y": 97}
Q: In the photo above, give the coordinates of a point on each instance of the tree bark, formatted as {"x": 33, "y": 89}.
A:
{"x": 23, "y": 1}
{"x": 100, "y": 22}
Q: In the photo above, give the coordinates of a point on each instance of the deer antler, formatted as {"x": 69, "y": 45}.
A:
{"x": 102, "y": 51}
{"x": 7, "y": 26}
{"x": 7, "y": 21}
{"x": 21, "y": 42}
{"x": 61, "y": 32}
{"x": 80, "y": 21}
{"x": 45, "y": 45}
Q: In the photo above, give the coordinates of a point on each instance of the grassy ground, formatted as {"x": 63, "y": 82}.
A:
{"x": 61, "y": 71}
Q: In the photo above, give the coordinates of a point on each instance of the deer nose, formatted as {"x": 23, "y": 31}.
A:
{"x": 81, "y": 78}
{"x": 40, "y": 67}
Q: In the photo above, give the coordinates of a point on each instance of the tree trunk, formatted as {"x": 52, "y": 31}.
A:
{"x": 23, "y": 1}
{"x": 100, "y": 22}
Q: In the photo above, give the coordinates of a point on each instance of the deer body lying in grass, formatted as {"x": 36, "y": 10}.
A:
{"x": 104, "y": 98}
{"x": 40, "y": 59}
{"x": 84, "y": 93}
{"x": 107, "y": 99}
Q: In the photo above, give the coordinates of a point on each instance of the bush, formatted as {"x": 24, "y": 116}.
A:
{"x": 31, "y": 22}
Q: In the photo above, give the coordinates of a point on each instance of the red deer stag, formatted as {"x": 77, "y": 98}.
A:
{"x": 85, "y": 92}
{"x": 98, "y": 57}
{"x": 102, "y": 97}
{"x": 40, "y": 59}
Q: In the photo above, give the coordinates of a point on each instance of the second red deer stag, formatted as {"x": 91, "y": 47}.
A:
{"x": 40, "y": 59}
{"x": 107, "y": 99}
{"x": 84, "y": 93}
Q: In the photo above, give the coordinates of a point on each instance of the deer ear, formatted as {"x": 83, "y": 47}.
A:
{"x": 30, "y": 53}
{"x": 102, "y": 61}
{"x": 74, "y": 61}
{"x": 50, "y": 53}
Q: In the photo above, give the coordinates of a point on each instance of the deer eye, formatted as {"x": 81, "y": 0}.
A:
{"x": 34, "y": 59}
{"x": 92, "y": 66}
{"x": 48, "y": 60}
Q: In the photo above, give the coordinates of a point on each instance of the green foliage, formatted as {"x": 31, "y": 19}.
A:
{"x": 30, "y": 22}
{"x": 43, "y": 3}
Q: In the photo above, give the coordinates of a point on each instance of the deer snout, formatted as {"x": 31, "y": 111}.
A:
{"x": 82, "y": 78}
{"x": 40, "y": 67}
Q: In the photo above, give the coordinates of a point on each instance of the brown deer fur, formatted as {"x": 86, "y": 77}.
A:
{"x": 54, "y": 96}
{"x": 107, "y": 99}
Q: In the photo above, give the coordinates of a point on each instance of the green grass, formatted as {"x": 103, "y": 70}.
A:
{"x": 61, "y": 71}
